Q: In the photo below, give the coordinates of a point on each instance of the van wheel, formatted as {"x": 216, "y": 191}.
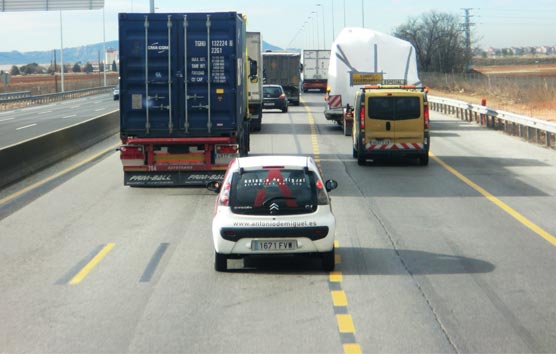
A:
{"x": 354, "y": 153}
{"x": 424, "y": 159}
{"x": 220, "y": 262}
{"x": 328, "y": 261}
{"x": 284, "y": 110}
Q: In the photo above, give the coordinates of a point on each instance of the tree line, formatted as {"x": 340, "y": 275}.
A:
{"x": 439, "y": 40}
{"x": 78, "y": 67}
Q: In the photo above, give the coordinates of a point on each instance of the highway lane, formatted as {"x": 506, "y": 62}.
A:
{"x": 25, "y": 123}
{"x": 427, "y": 263}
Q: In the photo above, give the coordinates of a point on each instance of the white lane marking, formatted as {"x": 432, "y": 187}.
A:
{"x": 73, "y": 115}
{"x": 100, "y": 109}
{"x": 30, "y": 109}
{"x": 3, "y": 120}
{"x": 45, "y": 112}
{"x": 6, "y": 112}
{"x": 75, "y": 106}
{"x": 27, "y": 126}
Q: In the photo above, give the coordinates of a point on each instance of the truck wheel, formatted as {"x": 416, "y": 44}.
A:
{"x": 220, "y": 262}
{"x": 328, "y": 261}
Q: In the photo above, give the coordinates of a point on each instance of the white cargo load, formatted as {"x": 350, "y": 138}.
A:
{"x": 360, "y": 57}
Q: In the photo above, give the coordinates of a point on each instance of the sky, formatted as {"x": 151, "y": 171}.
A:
{"x": 291, "y": 23}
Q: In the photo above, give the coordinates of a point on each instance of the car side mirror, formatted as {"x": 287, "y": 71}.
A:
{"x": 330, "y": 185}
{"x": 214, "y": 186}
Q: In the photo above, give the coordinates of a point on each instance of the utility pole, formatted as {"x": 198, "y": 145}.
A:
{"x": 467, "y": 29}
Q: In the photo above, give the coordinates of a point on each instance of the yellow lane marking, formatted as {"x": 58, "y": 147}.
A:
{"x": 339, "y": 298}
{"x": 336, "y": 244}
{"x": 335, "y": 277}
{"x": 352, "y": 349}
{"x": 83, "y": 272}
{"x": 345, "y": 324}
{"x": 337, "y": 258}
{"x": 61, "y": 173}
{"x": 512, "y": 212}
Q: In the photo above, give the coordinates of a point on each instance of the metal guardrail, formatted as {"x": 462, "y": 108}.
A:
{"x": 53, "y": 97}
{"x": 529, "y": 128}
{"x": 16, "y": 95}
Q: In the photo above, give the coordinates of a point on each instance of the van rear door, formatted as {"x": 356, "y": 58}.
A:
{"x": 379, "y": 119}
{"x": 409, "y": 125}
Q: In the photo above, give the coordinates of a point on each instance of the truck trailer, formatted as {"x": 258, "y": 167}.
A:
{"x": 360, "y": 57}
{"x": 315, "y": 69}
{"x": 283, "y": 68}
{"x": 255, "y": 84}
{"x": 183, "y": 96}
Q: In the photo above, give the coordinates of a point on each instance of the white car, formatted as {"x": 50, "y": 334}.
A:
{"x": 273, "y": 205}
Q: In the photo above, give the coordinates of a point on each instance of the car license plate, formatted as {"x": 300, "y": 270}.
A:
{"x": 269, "y": 104}
{"x": 273, "y": 245}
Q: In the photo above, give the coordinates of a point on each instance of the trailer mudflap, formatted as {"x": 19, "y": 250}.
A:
{"x": 171, "y": 178}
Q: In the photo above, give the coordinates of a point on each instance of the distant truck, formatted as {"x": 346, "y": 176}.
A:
{"x": 362, "y": 57}
{"x": 255, "y": 84}
{"x": 315, "y": 69}
{"x": 283, "y": 68}
{"x": 183, "y": 96}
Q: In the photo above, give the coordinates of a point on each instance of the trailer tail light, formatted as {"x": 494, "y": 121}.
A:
{"x": 227, "y": 149}
{"x": 131, "y": 153}
{"x": 426, "y": 116}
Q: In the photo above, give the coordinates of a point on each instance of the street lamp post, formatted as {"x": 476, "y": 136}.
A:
{"x": 363, "y": 13}
{"x": 323, "y": 27}
{"x": 103, "y": 46}
{"x": 317, "y": 23}
{"x": 333, "y": 30}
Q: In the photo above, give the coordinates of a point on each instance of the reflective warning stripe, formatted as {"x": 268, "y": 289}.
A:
{"x": 334, "y": 101}
{"x": 398, "y": 146}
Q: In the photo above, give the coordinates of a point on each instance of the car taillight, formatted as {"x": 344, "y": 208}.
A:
{"x": 362, "y": 117}
{"x": 224, "y": 198}
{"x": 322, "y": 198}
{"x": 426, "y": 115}
{"x": 282, "y": 96}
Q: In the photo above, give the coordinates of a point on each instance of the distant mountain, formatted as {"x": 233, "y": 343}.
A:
{"x": 71, "y": 55}
{"x": 83, "y": 54}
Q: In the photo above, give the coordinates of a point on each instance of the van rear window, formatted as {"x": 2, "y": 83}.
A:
{"x": 394, "y": 108}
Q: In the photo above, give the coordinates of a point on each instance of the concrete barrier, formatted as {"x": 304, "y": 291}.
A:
{"x": 23, "y": 159}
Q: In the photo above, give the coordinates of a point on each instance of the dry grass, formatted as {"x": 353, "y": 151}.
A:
{"x": 45, "y": 84}
{"x": 524, "y": 89}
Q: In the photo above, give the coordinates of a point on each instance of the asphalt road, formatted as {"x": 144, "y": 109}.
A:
{"x": 457, "y": 256}
{"x": 30, "y": 122}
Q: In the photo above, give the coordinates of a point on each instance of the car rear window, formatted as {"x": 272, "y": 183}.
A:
{"x": 394, "y": 108}
{"x": 273, "y": 191}
{"x": 272, "y": 92}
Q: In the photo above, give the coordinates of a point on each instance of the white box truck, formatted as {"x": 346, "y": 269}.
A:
{"x": 255, "y": 83}
{"x": 315, "y": 69}
{"x": 362, "y": 57}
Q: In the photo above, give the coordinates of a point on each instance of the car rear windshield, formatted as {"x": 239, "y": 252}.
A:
{"x": 273, "y": 191}
{"x": 272, "y": 92}
{"x": 394, "y": 108}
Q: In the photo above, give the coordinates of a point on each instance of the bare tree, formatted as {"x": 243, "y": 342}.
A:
{"x": 438, "y": 41}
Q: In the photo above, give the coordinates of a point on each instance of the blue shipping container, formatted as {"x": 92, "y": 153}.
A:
{"x": 182, "y": 74}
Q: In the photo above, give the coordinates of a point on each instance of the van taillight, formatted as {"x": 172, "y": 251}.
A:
{"x": 426, "y": 115}
{"x": 362, "y": 117}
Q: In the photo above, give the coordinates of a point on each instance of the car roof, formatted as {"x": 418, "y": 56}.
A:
{"x": 272, "y": 85}
{"x": 295, "y": 161}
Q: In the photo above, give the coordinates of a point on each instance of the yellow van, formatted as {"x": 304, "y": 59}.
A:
{"x": 391, "y": 120}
